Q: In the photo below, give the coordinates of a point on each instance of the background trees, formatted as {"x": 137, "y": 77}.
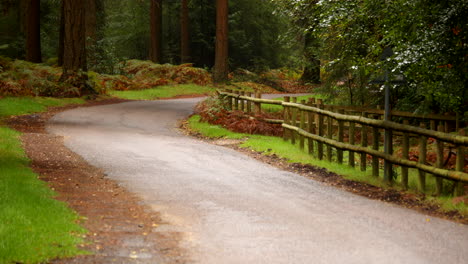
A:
{"x": 336, "y": 42}
{"x": 124, "y": 29}
{"x": 429, "y": 40}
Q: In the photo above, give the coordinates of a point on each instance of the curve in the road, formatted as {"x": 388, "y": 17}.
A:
{"x": 233, "y": 209}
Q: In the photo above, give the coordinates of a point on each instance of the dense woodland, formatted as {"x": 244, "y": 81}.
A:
{"x": 338, "y": 44}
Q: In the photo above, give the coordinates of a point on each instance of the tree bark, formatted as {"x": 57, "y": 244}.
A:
{"x": 156, "y": 31}
{"x": 184, "y": 33}
{"x": 91, "y": 31}
{"x": 33, "y": 31}
{"x": 74, "y": 55}
{"x": 22, "y": 15}
{"x": 61, "y": 35}
{"x": 221, "y": 49}
{"x": 90, "y": 19}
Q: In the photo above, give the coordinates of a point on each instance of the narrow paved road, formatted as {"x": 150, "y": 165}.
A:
{"x": 233, "y": 209}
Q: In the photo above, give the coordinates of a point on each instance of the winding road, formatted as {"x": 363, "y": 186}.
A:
{"x": 233, "y": 209}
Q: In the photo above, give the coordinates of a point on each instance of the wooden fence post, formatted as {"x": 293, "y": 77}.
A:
{"x": 422, "y": 160}
{"x": 310, "y": 126}
{"x": 293, "y": 121}
{"x": 330, "y": 136}
{"x": 339, "y": 152}
{"x": 439, "y": 162}
{"x": 242, "y": 101}
{"x": 320, "y": 131}
{"x": 228, "y": 101}
{"x": 258, "y": 106}
{"x": 286, "y": 132}
{"x": 405, "y": 155}
{"x": 375, "y": 146}
{"x": 459, "y": 188}
{"x": 446, "y": 125}
{"x": 351, "y": 140}
{"x": 249, "y": 103}
{"x": 236, "y": 101}
{"x": 302, "y": 126}
{"x": 363, "y": 143}
{"x": 432, "y": 124}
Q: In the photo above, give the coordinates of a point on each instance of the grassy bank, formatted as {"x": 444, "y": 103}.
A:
{"x": 28, "y": 105}
{"x": 271, "y": 145}
{"x": 34, "y": 228}
{"x": 275, "y": 145}
{"x": 161, "y": 92}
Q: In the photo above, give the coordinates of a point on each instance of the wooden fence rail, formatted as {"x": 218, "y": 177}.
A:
{"x": 312, "y": 123}
{"x": 450, "y": 123}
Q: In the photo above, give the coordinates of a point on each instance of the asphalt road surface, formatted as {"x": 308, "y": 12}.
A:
{"x": 233, "y": 209}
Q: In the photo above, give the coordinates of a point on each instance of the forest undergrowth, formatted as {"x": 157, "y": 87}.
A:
{"x": 21, "y": 78}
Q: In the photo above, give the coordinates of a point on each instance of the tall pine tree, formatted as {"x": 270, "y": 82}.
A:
{"x": 74, "y": 45}
{"x": 155, "y": 51}
{"x": 221, "y": 50}
{"x": 33, "y": 31}
{"x": 184, "y": 32}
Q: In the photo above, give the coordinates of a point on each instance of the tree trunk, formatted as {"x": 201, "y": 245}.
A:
{"x": 184, "y": 33}
{"x": 221, "y": 49}
{"x": 312, "y": 69}
{"x": 22, "y": 15}
{"x": 61, "y": 35}
{"x": 91, "y": 29}
{"x": 33, "y": 31}
{"x": 156, "y": 31}
{"x": 90, "y": 19}
{"x": 74, "y": 55}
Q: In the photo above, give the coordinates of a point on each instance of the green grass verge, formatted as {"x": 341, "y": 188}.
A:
{"x": 164, "y": 92}
{"x": 275, "y": 145}
{"x": 28, "y": 105}
{"x": 213, "y": 131}
{"x": 270, "y": 145}
{"x": 34, "y": 227}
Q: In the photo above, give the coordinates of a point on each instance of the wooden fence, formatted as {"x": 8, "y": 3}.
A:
{"x": 327, "y": 132}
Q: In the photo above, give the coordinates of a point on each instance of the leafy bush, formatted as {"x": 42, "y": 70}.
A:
{"x": 139, "y": 75}
{"x": 22, "y": 78}
{"x": 252, "y": 86}
{"x": 5, "y": 63}
{"x": 282, "y": 80}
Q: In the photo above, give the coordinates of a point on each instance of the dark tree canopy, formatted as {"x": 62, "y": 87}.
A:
{"x": 337, "y": 43}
